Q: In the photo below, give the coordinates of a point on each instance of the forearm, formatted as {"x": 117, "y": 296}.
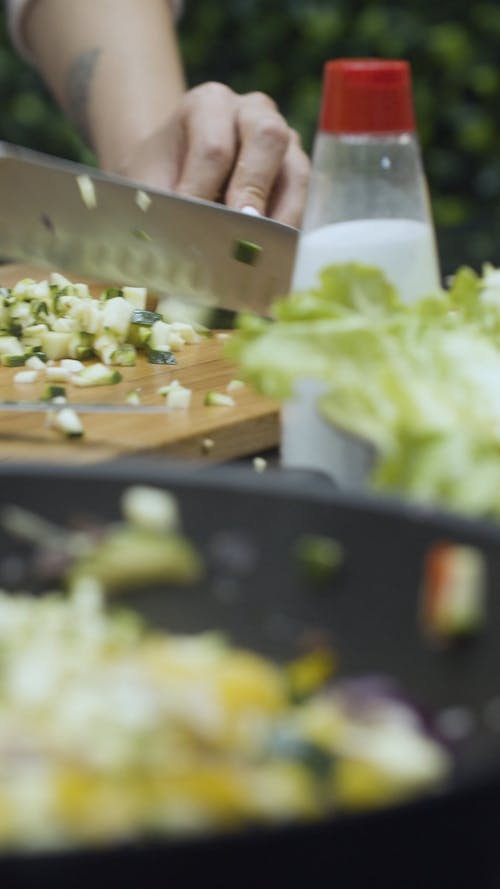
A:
{"x": 114, "y": 67}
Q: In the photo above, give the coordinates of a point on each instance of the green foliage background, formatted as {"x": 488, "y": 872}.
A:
{"x": 280, "y": 46}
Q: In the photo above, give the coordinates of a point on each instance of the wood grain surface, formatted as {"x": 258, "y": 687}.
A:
{"x": 250, "y": 427}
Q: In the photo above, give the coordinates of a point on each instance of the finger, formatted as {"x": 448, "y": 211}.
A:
{"x": 289, "y": 194}
{"x": 210, "y": 141}
{"x": 264, "y": 138}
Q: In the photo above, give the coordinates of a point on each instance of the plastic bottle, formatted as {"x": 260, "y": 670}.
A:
{"x": 367, "y": 202}
{"x": 368, "y": 199}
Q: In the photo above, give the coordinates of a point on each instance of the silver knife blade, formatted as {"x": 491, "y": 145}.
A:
{"x": 39, "y": 407}
{"x": 185, "y": 248}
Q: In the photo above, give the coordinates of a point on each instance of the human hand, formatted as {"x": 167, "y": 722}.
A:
{"x": 226, "y": 147}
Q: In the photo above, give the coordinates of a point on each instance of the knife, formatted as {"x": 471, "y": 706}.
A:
{"x": 188, "y": 250}
{"x": 42, "y": 407}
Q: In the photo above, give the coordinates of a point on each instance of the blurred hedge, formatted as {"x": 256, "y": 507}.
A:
{"x": 279, "y": 46}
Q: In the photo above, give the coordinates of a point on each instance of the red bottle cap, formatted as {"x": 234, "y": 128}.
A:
{"x": 367, "y": 96}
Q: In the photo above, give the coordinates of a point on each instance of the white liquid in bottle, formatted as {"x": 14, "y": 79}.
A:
{"x": 403, "y": 249}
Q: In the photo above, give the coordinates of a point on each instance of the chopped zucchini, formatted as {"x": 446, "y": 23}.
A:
{"x": 160, "y": 335}
{"x": 35, "y": 352}
{"x": 12, "y": 360}
{"x": 160, "y": 356}
{"x": 58, "y": 280}
{"x": 144, "y": 317}
{"x": 67, "y": 422}
{"x": 164, "y": 390}
{"x": 81, "y": 346}
{"x": 137, "y": 296}
{"x": 55, "y": 344}
{"x": 87, "y": 191}
{"x": 218, "y": 399}
{"x": 59, "y": 320}
{"x": 178, "y": 397}
{"x": 186, "y": 331}
{"x": 233, "y": 385}
{"x": 52, "y": 391}
{"x": 124, "y": 356}
{"x": 142, "y": 200}
{"x": 140, "y": 234}
{"x": 259, "y": 464}
{"x": 147, "y": 507}
{"x": 104, "y": 346}
{"x": 71, "y": 365}
{"x": 57, "y": 374}
{"x": 111, "y": 293}
{"x": 10, "y": 345}
{"x": 137, "y": 557}
{"x": 39, "y": 309}
{"x": 35, "y": 363}
{"x": 116, "y": 316}
{"x": 26, "y": 376}
{"x": 246, "y": 251}
{"x": 138, "y": 335}
{"x": 97, "y": 375}
{"x": 133, "y": 397}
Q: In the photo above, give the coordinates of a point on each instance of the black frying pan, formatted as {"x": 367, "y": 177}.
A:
{"x": 247, "y": 527}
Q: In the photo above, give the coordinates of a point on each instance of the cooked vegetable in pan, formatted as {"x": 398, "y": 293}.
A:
{"x": 112, "y": 729}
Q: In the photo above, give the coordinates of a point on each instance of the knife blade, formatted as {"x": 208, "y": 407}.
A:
{"x": 190, "y": 250}
{"x": 39, "y": 407}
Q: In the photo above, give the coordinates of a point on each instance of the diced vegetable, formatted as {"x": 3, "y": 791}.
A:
{"x": 319, "y": 558}
{"x": 57, "y": 320}
{"x": 160, "y": 356}
{"x": 115, "y": 731}
{"x": 26, "y": 376}
{"x": 50, "y": 392}
{"x": 140, "y": 234}
{"x": 143, "y": 317}
{"x": 58, "y": 374}
{"x": 116, "y": 316}
{"x": 87, "y": 191}
{"x": 124, "y": 356}
{"x": 67, "y": 422}
{"x": 142, "y": 200}
{"x": 307, "y": 673}
{"x": 10, "y": 345}
{"x": 111, "y": 293}
{"x": 12, "y": 360}
{"x": 246, "y": 251}
{"x": 160, "y": 335}
{"x": 34, "y": 362}
{"x": 453, "y": 593}
{"x": 149, "y": 507}
{"x": 234, "y": 385}
{"x": 259, "y": 464}
{"x": 133, "y": 397}
{"x": 178, "y": 397}
{"x": 186, "y": 331}
{"x": 139, "y": 556}
{"x": 55, "y": 344}
{"x": 164, "y": 390}
{"x": 71, "y": 365}
{"x": 218, "y": 399}
{"x": 96, "y": 375}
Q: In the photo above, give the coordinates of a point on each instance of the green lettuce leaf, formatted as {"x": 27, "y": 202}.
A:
{"x": 420, "y": 382}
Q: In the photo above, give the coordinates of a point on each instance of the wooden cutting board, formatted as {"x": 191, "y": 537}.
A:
{"x": 199, "y": 432}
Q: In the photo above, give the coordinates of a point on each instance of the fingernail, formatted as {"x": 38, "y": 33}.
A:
{"x": 250, "y": 211}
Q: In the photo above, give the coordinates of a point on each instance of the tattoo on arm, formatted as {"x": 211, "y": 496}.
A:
{"x": 78, "y": 90}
